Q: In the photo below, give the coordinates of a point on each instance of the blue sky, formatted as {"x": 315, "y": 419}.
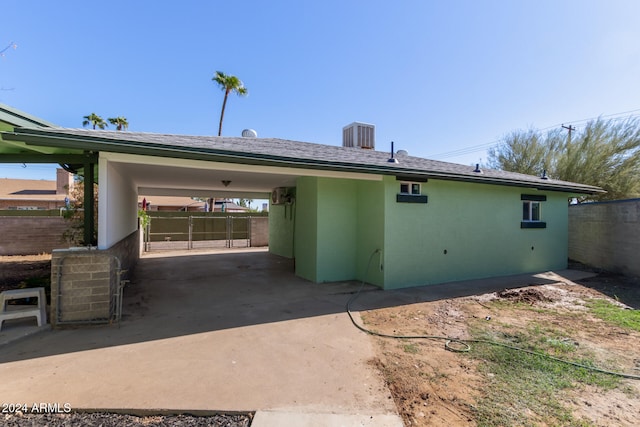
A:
{"x": 435, "y": 77}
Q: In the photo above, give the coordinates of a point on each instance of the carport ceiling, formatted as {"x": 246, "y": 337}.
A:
{"x": 162, "y": 180}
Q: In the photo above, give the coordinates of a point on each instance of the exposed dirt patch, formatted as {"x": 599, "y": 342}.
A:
{"x": 433, "y": 386}
{"x": 15, "y": 270}
{"x": 529, "y": 296}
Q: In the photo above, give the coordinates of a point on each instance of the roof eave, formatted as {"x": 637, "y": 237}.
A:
{"x": 97, "y": 144}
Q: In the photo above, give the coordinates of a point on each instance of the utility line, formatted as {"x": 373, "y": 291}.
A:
{"x": 481, "y": 147}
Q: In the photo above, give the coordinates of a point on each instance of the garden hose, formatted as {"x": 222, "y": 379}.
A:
{"x": 463, "y": 345}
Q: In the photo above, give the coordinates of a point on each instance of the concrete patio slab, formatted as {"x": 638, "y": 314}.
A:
{"x": 225, "y": 332}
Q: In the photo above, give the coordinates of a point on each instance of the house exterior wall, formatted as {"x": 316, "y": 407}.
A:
{"x": 118, "y": 202}
{"x": 281, "y": 230}
{"x": 477, "y": 225}
{"x": 337, "y": 231}
{"x": 464, "y": 231}
{"x": 370, "y": 232}
{"x": 606, "y": 235}
{"x": 339, "y": 223}
{"x": 306, "y": 228}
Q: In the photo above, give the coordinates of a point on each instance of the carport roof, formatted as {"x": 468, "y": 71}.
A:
{"x": 270, "y": 152}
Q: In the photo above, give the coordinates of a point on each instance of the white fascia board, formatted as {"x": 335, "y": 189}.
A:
{"x": 151, "y": 191}
{"x": 237, "y": 167}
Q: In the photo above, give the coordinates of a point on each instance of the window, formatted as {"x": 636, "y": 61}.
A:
{"x": 410, "y": 192}
{"x": 412, "y": 188}
{"x": 532, "y": 211}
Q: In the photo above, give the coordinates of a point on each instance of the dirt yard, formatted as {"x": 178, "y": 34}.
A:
{"x": 435, "y": 386}
{"x": 16, "y": 271}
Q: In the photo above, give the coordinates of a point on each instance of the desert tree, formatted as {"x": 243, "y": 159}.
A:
{"x": 606, "y": 154}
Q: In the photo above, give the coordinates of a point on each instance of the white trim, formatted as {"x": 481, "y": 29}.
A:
{"x": 530, "y": 203}
{"x": 410, "y": 190}
{"x": 236, "y": 167}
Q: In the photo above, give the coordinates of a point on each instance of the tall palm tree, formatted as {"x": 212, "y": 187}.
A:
{"x": 94, "y": 120}
{"x": 119, "y": 122}
{"x": 228, "y": 84}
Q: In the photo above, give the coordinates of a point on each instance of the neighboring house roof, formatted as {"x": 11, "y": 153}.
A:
{"x": 169, "y": 200}
{"x": 230, "y": 206}
{"x": 183, "y": 202}
{"x": 20, "y": 118}
{"x": 173, "y": 201}
{"x": 29, "y": 189}
{"x": 277, "y": 152}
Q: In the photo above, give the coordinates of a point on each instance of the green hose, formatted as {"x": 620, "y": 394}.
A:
{"x": 464, "y": 345}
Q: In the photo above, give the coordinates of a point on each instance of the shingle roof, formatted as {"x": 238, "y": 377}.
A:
{"x": 281, "y": 152}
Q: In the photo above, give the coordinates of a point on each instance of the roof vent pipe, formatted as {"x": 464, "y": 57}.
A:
{"x": 477, "y": 169}
{"x": 544, "y": 174}
{"x": 392, "y": 159}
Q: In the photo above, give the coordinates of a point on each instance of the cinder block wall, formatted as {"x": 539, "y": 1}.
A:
{"x": 81, "y": 285}
{"x": 31, "y": 235}
{"x": 40, "y": 204}
{"x": 84, "y": 282}
{"x": 606, "y": 235}
{"x": 259, "y": 231}
{"x": 127, "y": 251}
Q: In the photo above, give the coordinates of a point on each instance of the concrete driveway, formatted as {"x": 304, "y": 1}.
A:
{"x": 213, "y": 331}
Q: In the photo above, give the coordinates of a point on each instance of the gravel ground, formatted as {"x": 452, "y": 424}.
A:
{"x": 101, "y": 419}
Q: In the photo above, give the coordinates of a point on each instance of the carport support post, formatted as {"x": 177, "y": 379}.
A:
{"x": 89, "y": 223}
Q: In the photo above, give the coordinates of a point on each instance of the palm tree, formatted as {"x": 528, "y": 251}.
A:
{"x": 120, "y": 122}
{"x": 228, "y": 84}
{"x": 94, "y": 120}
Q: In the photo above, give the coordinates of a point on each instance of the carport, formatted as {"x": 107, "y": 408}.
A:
{"x": 168, "y": 165}
{"x": 126, "y": 164}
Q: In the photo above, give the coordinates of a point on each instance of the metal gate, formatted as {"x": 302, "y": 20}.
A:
{"x": 197, "y": 232}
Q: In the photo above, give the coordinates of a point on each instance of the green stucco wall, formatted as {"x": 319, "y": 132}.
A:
{"x": 370, "y": 226}
{"x": 465, "y": 231}
{"x": 337, "y": 229}
{"x": 477, "y": 225}
{"x": 339, "y": 223}
{"x": 306, "y": 231}
{"x": 281, "y": 222}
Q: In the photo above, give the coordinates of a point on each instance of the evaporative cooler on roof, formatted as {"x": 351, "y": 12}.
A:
{"x": 360, "y": 135}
